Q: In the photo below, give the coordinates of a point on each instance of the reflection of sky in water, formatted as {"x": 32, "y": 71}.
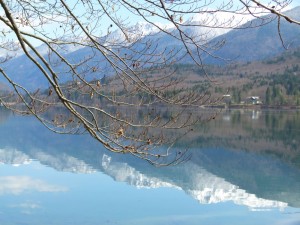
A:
{"x": 17, "y": 185}
{"x": 50, "y": 179}
{"x": 66, "y": 198}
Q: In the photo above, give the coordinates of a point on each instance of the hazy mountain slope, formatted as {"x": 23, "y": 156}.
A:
{"x": 259, "y": 43}
{"x": 243, "y": 44}
{"x": 23, "y": 71}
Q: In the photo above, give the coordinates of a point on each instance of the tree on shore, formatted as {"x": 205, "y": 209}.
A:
{"x": 268, "y": 96}
{"x": 119, "y": 89}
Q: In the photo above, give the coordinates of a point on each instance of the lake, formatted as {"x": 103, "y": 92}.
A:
{"x": 244, "y": 169}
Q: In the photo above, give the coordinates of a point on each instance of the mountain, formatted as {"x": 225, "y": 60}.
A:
{"x": 241, "y": 44}
{"x": 24, "y": 72}
{"x": 258, "y": 43}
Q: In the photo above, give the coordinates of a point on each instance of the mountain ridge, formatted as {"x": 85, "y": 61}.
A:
{"x": 242, "y": 45}
{"x": 258, "y": 43}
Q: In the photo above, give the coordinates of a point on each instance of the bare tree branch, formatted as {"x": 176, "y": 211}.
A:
{"x": 122, "y": 89}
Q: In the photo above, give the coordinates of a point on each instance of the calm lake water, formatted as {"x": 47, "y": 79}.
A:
{"x": 245, "y": 169}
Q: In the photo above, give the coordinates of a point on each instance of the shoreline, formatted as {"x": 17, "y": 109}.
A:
{"x": 251, "y": 106}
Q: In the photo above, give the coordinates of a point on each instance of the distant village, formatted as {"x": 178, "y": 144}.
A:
{"x": 251, "y": 100}
{"x": 228, "y": 101}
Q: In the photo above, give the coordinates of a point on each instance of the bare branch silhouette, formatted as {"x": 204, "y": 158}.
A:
{"x": 103, "y": 76}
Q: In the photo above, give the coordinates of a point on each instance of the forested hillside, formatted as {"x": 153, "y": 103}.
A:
{"x": 276, "y": 80}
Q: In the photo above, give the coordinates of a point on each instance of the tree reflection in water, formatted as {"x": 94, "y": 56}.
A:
{"x": 245, "y": 157}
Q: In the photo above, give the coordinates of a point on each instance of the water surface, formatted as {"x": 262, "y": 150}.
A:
{"x": 245, "y": 169}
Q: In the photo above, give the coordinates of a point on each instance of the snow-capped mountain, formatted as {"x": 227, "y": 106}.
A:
{"x": 25, "y": 72}
{"x": 62, "y": 49}
{"x": 246, "y": 44}
{"x": 261, "y": 42}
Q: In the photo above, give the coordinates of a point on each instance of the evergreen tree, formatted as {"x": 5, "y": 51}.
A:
{"x": 268, "y": 96}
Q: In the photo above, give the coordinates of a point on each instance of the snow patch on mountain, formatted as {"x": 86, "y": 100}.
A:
{"x": 218, "y": 23}
{"x": 63, "y": 49}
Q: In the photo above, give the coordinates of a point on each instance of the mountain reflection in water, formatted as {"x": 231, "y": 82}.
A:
{"x": 249, "y": 158}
